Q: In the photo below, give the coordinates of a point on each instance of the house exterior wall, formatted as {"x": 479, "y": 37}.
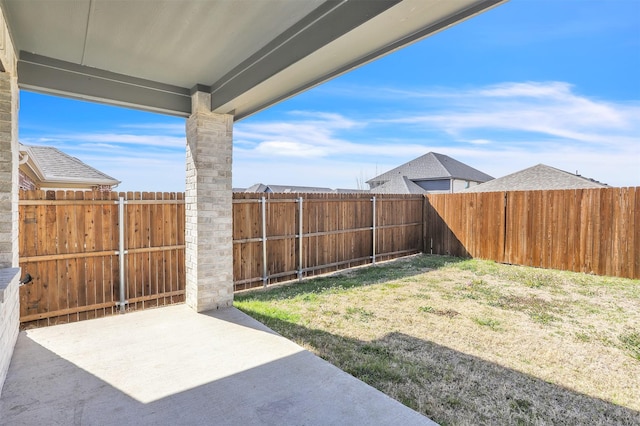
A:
{"x": 459, "y": 185}
{"x": 9, "y": 152}
{"x": 8, "y": 170}
{"x": 9, "y": 318}
{"x": 25, "y": 182}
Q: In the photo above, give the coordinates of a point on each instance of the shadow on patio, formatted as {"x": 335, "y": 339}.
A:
{"x": 174, "y": 366}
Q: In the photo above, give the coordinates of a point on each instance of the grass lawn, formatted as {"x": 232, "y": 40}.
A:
{"x": 470, "y": 342}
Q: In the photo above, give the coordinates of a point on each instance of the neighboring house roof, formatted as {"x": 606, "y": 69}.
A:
{"x": 258, "y": 187}
{"x": 398, "y": 185}
{"x": 539, "y": 177}
{"x": 350, "y": 191}
{"x": 434, "y": 166}
{"x": 51, "y": 168}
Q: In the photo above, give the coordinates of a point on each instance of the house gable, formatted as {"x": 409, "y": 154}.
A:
{"x": 432, "y": 167}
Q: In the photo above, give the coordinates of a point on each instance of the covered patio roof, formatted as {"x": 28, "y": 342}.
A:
{"x": 248, "y": 54}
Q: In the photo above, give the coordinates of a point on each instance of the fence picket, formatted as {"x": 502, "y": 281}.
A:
{"x": 68, "y": 243}
{"x": 589, "y": 230}
{"x": 69, "y": 240}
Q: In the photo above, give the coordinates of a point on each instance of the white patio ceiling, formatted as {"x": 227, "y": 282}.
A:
{"x": 250, "y": 54}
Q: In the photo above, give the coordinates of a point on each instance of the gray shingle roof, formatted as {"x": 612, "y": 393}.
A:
{"x": 434, "y": 166}
{"x": 350, "y": 191}
{"x": 539, "y": 177}
{"x": 398, "y": 185}
{"x": 54, "y": 166}
{"x": 258, "y": 187}
{"x": 291, "y": 188}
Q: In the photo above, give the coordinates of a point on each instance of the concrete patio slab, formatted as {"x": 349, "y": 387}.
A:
{"x": 173, "y": 366}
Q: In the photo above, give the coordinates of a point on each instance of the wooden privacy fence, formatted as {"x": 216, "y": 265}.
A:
{"x": 70, "y": 243}
{"x": 278, "y": 237}
{"x": 584, "y": 230}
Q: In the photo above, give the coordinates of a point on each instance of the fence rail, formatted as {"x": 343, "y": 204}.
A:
{"x": 280, "y": 237}
{"x": 69, "y": 243}
{"x": 583, "y": 230}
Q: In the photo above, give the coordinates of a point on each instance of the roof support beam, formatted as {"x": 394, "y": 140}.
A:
{"x": 326, "y": 23}
{"x": 47, "y": 75}
{"x": 425, "y": 32}
{"x": 321, "y": 36}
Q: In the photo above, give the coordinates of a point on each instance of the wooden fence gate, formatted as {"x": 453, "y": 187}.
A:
{"x": 84, "y": 264}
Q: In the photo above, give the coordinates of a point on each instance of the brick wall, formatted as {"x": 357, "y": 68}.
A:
{"x": 9, "y": 317}
{"x": 26, "y": 182}
{"x": 8, "y": 171}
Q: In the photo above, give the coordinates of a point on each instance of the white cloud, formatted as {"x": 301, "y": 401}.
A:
{"x": 175, "y": 128}
{"x": 479, "y": 141}
{"x": 138, "y": 170}
{"x": 128, "y": 139}
{"x": 289, "y": 149}
{"x": 151, "y": 159}
{"x": 498, "y": 129}
{"x": 106, "y": 139}
{"x": 324, "y": 172}
{"x": 314, "y": 135}
{"x": 547, "y": 108}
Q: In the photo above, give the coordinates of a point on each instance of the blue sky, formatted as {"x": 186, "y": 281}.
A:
{"x": 531, "y": 81}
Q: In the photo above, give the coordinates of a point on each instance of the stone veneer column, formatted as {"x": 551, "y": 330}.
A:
{"x": 8, "y": 171}
{"x": 208, "y": 205}
{"x": 9, "y": 272}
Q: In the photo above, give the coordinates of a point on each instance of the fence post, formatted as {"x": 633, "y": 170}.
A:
{"x": 504, "y": 228}
{"x": 263, "y": 202}
{"x": 123, "y": 300}
{"x": 300, "y": 267}
{"x": 373, "y": 238}
{"x": 424, "y": 225}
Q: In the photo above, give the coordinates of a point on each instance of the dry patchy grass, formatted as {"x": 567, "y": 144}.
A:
{"x": 473, "y": 342}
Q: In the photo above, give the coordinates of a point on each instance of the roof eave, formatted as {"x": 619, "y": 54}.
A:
{"x": 329, "y": 41}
